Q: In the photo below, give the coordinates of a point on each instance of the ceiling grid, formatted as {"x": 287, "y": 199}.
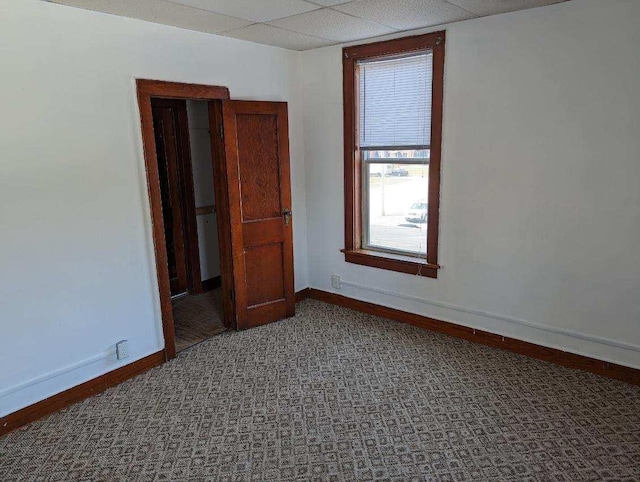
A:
{"x": 304, "y": 24}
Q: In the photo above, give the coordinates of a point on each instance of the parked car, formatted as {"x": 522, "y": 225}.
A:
{"x": 398, "y": 171}
{"x": 417, "y": 213}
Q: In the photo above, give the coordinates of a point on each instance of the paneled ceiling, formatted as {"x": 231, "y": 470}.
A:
{"x": 303, "y": 24}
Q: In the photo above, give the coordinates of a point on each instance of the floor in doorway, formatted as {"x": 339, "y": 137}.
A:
{"x": 197, "y": 318}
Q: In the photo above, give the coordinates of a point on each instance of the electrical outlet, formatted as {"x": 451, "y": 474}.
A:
{"x": 122, "y": 349}
{"x": 335, "y": 281}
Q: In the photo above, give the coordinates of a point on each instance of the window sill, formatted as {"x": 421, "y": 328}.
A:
{"x": 391, "y": 262}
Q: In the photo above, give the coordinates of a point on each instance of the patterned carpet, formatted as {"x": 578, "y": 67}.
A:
{"x": 336, "y": 395}
{"x": 197, "y": 318}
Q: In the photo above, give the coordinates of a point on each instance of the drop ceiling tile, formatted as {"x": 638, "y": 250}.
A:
{"x": 332, "y": 25}
{"x": 406, "y": 14}
{"x": 492, "y": 7}
{"x": 255, "y": 10}
{"x": 329, "y": 3}
{"x": 159, "y": 11}
{"x": 266, "y": 34}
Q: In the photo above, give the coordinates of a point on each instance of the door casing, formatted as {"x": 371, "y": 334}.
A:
{"x": 146, "y": 90}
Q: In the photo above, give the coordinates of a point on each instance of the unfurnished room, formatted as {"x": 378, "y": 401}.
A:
{"x": 320, "y": 240}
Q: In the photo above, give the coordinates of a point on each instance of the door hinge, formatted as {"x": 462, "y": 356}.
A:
{"x": 221, "y": 131}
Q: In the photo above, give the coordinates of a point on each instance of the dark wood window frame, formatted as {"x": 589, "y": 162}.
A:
{"x": 353, "y": 251}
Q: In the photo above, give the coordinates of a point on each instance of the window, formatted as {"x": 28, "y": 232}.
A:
{"x": 392, "y": 131}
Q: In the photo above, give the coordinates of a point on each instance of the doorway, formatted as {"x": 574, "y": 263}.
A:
{"x": 183, "y": 150}
{"x": 249, "y": 156}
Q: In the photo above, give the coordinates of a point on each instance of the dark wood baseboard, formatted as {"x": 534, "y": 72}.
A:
{"x": 559, "y": 357}
{"x": 29, "y": 414}
{"x": 303, "y": 294}
{"x": 211, "y": 283}
{"x": 78, "y": 393}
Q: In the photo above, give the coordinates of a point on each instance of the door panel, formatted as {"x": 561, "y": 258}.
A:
{"x": 259, "y": 265}
{"x": 256, "y": 149}
{"x": 168, "y": 152}
{"x": 265, "y": 232}
{"x": 259, "y": 166}
{"x": 173, "y": 151}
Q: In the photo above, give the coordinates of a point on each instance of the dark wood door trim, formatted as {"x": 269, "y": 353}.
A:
{"x": 223, "y": 215}
{"x": 146, "y": 89}
{"x": 184, "y": 181}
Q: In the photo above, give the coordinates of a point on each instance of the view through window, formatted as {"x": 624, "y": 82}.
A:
{"x": 396, "y": 202}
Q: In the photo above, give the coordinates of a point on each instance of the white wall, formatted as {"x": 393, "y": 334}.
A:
{"x": 540, "y": 194}
{"x": 76, "y": 257}
{"x": 203, "y": 187}
{"x": 540, "y": 213}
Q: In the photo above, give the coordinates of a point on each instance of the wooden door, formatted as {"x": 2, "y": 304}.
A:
{"x": 258, "y": 184}
{"x": 176, "y": 188}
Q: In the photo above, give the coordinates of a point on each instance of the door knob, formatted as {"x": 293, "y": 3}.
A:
{"x": 287, "y": 216}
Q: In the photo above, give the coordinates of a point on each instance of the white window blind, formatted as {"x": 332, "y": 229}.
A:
{"x": 395, "y": 101}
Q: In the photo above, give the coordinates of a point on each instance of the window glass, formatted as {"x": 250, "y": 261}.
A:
{"x": 395, "y": 132}
{"x": 395, "y": 207}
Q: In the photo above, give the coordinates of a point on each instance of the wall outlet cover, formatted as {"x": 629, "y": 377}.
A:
{"x": 122, "y": 349}
{"x": 335, "y": 281}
